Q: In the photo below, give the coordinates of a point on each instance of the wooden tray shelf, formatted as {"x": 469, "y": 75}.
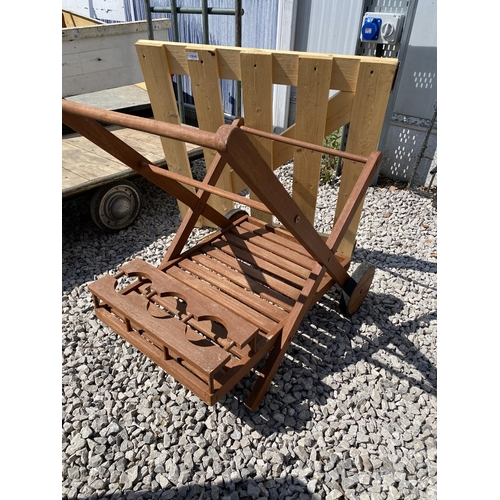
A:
{"x": 211, "y": 316}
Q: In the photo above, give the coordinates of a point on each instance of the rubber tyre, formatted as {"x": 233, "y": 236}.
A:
{"x": 116, "y": 206}
{"x": 235, "y": 214}
{"x": 363, "y": 277}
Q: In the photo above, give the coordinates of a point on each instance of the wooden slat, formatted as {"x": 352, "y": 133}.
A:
{"x": 257, "y": 96}
{"x": 254, "y": 273}
{"x": 271, "y": 257}
{"x": 176, "y": 54}
{"x": 259, "y": 262}
{"x": 205, "y": 83}
{"x": 338, "y": 114}
{"x": 244, "y": 281}
{"x": 273, "y": 234}
{"x": 280, "y": 251}
{"x": 249, "y": 314}
{"x": 368, "y": 112}
{"x": 157, "y": 77}
{"x": 242, "y": 295}
{"x": 312, "y": 105}
{"x": 343, "y": 76}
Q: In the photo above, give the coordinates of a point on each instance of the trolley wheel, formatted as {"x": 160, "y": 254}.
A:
{"x": 235, "y": 214}
{"x": 116, "y": 206}
{"x": 361, "y": 279}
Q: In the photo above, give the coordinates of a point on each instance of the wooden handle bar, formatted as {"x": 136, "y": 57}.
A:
{"x": 305, "y": 145}
{"x": 188, "y": 134}
{"x": 172, "y": 131}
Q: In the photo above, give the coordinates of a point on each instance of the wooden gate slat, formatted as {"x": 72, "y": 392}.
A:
{"x": 257, "y": 97}
{"x": 205, "y": 83}
{"x": 368, "y": 112}
{"x": 312, "y": 104}
{"x": 158, "y": 79}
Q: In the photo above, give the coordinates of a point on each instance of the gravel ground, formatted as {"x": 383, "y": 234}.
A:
{"x": 351, "y": 412}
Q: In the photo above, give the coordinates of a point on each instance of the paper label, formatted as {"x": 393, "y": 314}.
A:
{"x": 192, "y": 56}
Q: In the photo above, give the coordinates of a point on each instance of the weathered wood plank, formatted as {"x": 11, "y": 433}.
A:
{"x": 367, "y": 116}
{"x": 272, "y": 235}
{"x": 262, "y": 263}
{"x": 244, "y": 281}
{"x": 249, "y": 314}
{"x": 253, "y": 272}
{"x": 89, "y": 165}
{"x": 205, "y": 83}
{"x": 70, "y": 179}
{"x": 312, "y": 105}
{"x": 265, "y": 254}
{"x": 257, "y": 96}
{"x": 231, "y": 287}
{"x": 79, "y": 155}
{"x": 157, "y": 77}
{"x": 276, "y": 248}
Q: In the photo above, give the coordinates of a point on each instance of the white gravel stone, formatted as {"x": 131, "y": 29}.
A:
{"x": 352, "y": 409}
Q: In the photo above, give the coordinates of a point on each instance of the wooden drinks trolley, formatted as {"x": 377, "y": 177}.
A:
{"x": 209, "y": 314}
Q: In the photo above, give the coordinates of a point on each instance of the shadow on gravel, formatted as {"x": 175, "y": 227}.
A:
{"x": 328, "y": 345}
{"x": 392, "y": 263}
{"x": 224, "y": 489}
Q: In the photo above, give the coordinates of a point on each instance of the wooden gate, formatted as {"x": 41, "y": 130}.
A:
{"x": 363, "y": 85}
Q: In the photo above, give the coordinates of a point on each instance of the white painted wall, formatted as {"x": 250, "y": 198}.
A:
{"x": 103, "y": 56}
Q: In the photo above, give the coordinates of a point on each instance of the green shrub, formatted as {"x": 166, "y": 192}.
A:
{"x": 329, "y": 163}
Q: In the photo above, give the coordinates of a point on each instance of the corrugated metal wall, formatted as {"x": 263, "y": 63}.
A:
{"x": 330, "y": 27}
{"x": 259, "y": 22}
{"x": 255, "y": 32}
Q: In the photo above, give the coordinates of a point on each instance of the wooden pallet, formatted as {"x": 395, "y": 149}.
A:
{"x": 362, "y": 85}
{"x": 209, "y": 317}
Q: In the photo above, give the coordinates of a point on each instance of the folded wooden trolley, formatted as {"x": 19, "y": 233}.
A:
{"x": 209, "y": 314}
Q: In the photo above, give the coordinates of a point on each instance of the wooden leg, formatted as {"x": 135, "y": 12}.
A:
{"x": 301, "y": 307}
{"x": 189, "y": 221}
